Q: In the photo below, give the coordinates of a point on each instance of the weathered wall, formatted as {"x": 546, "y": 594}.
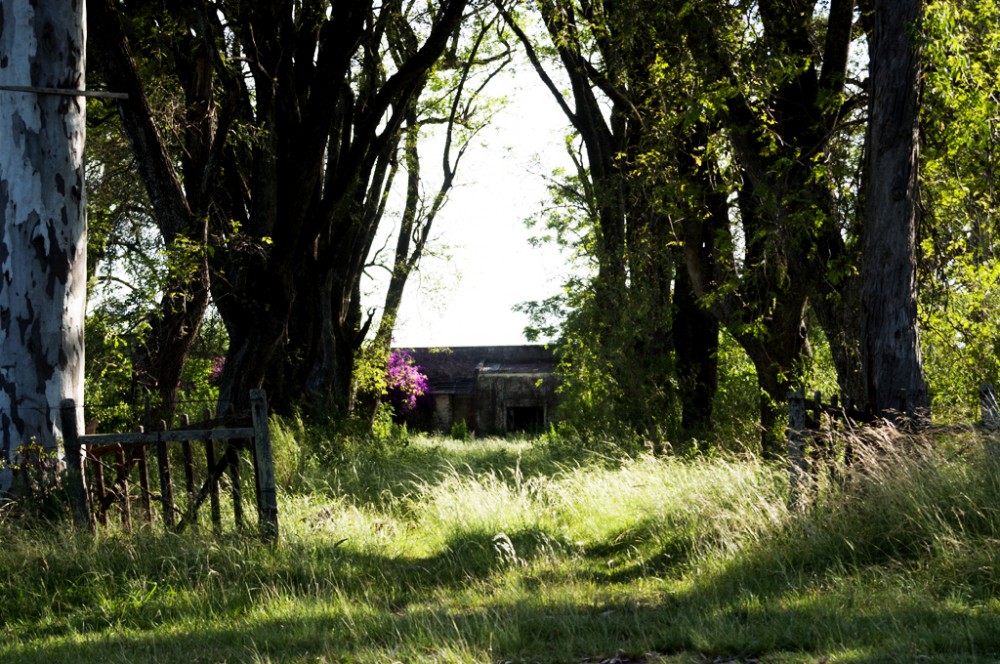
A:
{"x": 452, "y": 408}
{"x": 496, "y": 392}
{"x": 442, "y": 417}
{"x": 478, "y": 384}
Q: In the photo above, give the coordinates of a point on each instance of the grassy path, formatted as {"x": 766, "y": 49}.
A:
{"x": 491, "y": 551}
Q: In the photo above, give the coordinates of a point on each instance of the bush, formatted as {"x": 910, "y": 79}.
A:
{"x": 36, "y": 487}
{"x": 460, "y": 431}
{"x": 405, "y": 383}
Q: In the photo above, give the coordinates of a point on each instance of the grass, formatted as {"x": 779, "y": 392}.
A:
{"x": 494, "y": 551}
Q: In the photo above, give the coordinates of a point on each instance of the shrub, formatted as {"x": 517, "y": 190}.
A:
{"x": 405, "y": 382}
{"x": 460, "y": 430}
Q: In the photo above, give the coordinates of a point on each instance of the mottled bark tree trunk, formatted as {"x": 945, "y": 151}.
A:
{"x": 43, "y": 231}
{"x": 891, "y": 349}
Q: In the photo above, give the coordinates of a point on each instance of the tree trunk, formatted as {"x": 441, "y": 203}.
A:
{"x": 257, "y": 328}
{"x": 696, "y": 341}
{"x": 891, "y": 349}
{"x": 314, "y": 177}
{"x": 173, "y": 330}
{"x": 780, "y": 348}
{"x": 43, "y": 233}
{"x": 330, "y": 346}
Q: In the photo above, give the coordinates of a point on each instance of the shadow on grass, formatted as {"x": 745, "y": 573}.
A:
{"x": 800, "y": 593}
{"x": 283, "y": 609}
{"x": 535, "y": 627}
{"x": 173, "y": 579}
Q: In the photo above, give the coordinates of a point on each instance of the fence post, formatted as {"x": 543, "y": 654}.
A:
{"x": 143, "y": 463}
{"x": 123, "y": 469}
{"x": 101, "y": 503}
{"x": 267, "y": 502}
{"x": 797, "y": 469}
{"x": 166, "y": 485}
{"x": 213, "y": 483}
{"x": 76, "y": 481}
{"x": 188, "y": 457}
{"x": 232, "y": 457}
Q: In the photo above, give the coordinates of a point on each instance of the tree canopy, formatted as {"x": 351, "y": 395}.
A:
{"x": 755, "y": 135}
{"x": 738, "y": 191}
{"x": 274, "y": 172}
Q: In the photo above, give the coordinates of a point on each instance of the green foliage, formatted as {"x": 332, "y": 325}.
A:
{"x": 959, "y": 255}
{"x": 109, "y": 381}
{"x": 130, "y": 269}
{"x": 615, "y": 375}
{"x": 292, "y": 449}
{"x": 610, "y": 392}
{"x": 370, "y": 377}
{"x": 307, "y": 449}
{"x": 115, "y": 393}
{"x": 386, "y": 430}
{"x": 961, "y": 338}
{"x": 39, "y": 497}
{"x": 460, "y": 431}
{"x": 737, "y": 400}
{"x": 126, "y": 270}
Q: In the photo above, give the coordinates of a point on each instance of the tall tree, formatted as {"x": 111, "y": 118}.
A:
{"x": 43, "y": 230}
{"x": 958, "y": 242}
{"x": 295, "y": 113}
{"x": 891, "y": 350}
{"x": 774, "y": 94}
{"x": 463, "y": 113}
{"x": 732, "y": 123}
{"x": 635, "y": 324}
{"x": 329, "y": 128}
{"x": 455, "y": 104}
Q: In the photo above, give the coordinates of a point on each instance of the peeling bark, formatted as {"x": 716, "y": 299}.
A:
{"x": 43, "y": 231}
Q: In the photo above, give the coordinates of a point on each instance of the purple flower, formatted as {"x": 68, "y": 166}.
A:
{"x": 216, "y": 370}
{"x": 405, "y": 382}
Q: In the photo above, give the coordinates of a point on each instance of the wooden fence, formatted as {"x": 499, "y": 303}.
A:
{"x": 807, "y": 418}
{"x": 91, "y": 497}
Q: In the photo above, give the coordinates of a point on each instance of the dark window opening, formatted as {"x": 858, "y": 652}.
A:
{"x": 526, "y": 419}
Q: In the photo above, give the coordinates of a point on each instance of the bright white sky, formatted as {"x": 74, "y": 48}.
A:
{"x": 467, "y": 300}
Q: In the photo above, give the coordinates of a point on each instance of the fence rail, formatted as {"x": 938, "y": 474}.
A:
{"x": 83, "y": 461}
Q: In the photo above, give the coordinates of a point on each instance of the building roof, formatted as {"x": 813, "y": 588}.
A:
{"x": 453, "y": 370}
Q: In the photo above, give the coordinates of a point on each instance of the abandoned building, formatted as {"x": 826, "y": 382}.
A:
{"x": 495, "y": 389}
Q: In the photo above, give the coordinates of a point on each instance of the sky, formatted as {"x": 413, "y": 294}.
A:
{"x": 467, "y": 299}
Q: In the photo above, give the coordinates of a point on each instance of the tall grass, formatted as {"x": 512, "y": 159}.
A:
{"x": 489, "y": 551}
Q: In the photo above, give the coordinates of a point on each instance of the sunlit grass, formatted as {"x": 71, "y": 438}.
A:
{"x": 492, "y": 551}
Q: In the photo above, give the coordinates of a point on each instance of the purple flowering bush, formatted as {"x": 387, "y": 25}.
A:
{"x": 405, "y": 383}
